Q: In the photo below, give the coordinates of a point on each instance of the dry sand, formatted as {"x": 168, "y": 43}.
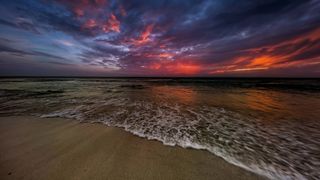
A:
{"x": 55, "y": 148}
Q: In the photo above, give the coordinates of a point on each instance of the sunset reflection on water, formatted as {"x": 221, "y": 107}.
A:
{"x": 178, "y": 94}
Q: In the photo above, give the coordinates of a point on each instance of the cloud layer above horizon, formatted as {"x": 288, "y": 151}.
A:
{"x": 160, "y": 38}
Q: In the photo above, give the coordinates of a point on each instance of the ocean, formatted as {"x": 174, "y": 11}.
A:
{"x": 267, "y": 126}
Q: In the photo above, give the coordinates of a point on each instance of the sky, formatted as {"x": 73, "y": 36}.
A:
{"x": 211, "y": 38}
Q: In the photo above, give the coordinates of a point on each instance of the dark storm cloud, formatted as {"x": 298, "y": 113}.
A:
{"x": 205, "y": 37}
{"x": 21, "y": 23}
{"x": 11, "y": 50}
{"x": 7, "y": 49}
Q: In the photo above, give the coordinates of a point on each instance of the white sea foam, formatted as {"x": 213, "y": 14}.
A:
{"x": 237, "y": 139}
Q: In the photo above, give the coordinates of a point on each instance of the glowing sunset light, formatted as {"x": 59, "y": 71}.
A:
{"x": 251, "y": 69}
{"x": 263, "y": 61}
{"x": 187, "y": 68}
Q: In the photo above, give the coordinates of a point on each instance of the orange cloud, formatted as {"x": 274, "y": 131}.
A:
{"x": 185, "y": 68}
{"x": 263, "y": 61}
{"x": 175, "y": 67}
{"x": 113, "y": 24}
{"x": 144, "y": 36}
{"x": 91, "y": 23}
{"x": 165, "y": 55}
{"x": 155, "y": 66}
{"x": 282, "y": 55}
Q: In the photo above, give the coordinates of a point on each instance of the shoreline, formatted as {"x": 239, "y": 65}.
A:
{"x": 59, "y": 148}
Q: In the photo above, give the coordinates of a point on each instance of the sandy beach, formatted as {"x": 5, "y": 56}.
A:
{"x": 55, "y": 148}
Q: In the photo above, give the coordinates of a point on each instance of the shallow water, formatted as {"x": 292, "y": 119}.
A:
{"x": 267, "y": 126}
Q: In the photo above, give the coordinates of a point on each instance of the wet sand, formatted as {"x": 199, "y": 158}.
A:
{"x": 55, "y": 148}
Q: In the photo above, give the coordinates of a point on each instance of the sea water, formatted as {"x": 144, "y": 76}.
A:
{"x": 267, "y": 126}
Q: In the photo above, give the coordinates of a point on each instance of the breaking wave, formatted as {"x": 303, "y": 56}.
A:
{"x": 240, "y": 140}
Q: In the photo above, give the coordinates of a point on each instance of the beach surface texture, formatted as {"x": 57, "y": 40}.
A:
{"x": 56, "y": 148}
